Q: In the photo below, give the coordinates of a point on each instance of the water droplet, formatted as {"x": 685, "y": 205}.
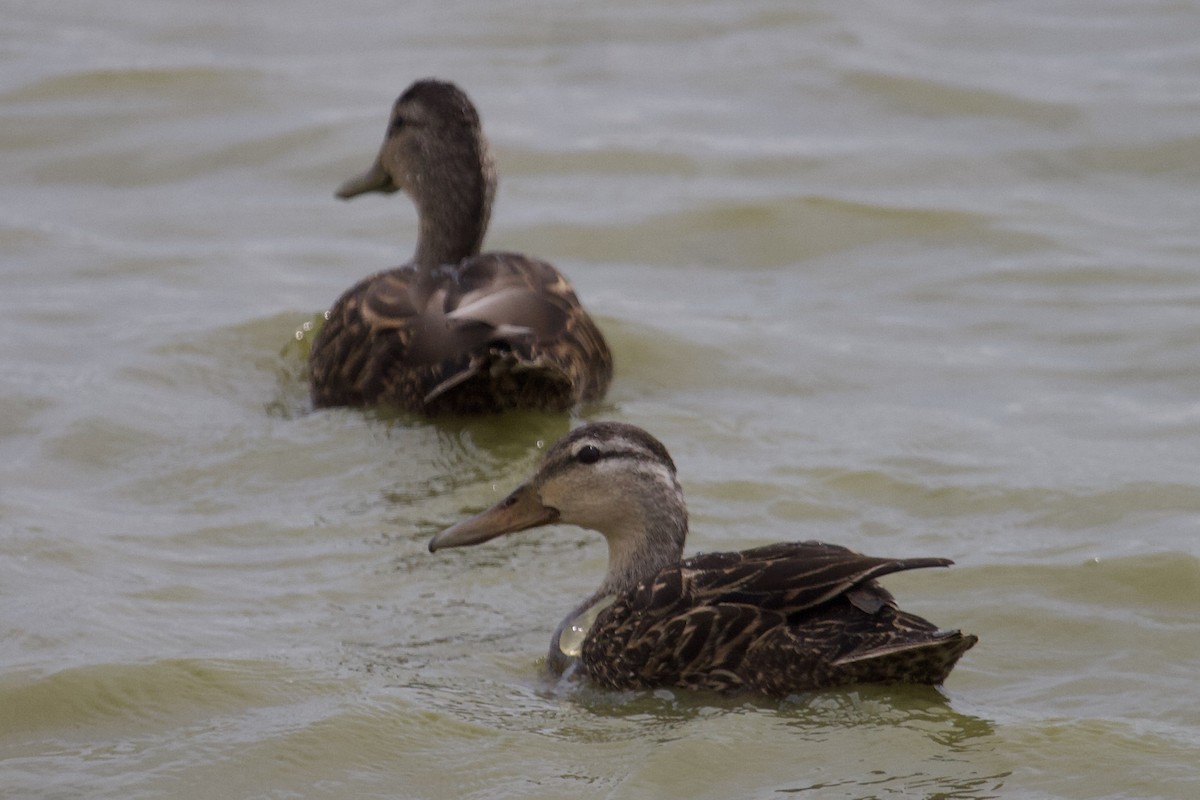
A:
{"x": 571, "y": 639}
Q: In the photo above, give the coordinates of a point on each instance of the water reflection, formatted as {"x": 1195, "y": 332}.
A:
{"x": 881, "y": 784}
{"x": 925, "y": 709}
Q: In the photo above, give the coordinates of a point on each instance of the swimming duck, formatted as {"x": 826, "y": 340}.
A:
{"x": 778, "y": 619}
{"x": 453, "y": 330}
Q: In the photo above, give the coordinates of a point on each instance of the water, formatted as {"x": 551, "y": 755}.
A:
{"x": 916, "y": 277}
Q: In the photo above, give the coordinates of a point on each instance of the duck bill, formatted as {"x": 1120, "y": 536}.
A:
{"x": 376, "y": 179}
{"x": 519, "y": 511}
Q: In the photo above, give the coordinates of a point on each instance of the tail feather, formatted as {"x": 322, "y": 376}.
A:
{"x": 501, "y": 375}
{"x": 929, "y": 660}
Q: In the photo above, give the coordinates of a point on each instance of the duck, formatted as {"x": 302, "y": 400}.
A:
{"x": 774, "y": 620}
{"x": 453, "y": 330}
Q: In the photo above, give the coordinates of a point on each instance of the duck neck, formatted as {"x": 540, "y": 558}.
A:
{"x": 645, "y": 530}
{"x": 454, "y": 208}
{"x": 447, "y": 236}
{"x": 650, "y": 542}
{"x": 633, "y": 558}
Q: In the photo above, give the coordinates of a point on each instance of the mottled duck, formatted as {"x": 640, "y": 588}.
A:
{"x": 453, "y": 331}
{"x": 778, "y": 619}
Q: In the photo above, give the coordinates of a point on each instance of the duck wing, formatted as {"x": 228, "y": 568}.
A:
{"x": 776, "y": 618}
{"x": 790, "y": 577}
{"x": 495, "y": 331}
{"x": 507, "y": 297}
{"x": 359, "y": 355}
{"x": 525, "y": 329}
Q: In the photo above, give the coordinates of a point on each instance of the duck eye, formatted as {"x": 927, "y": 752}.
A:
{"x": 588, "y": 454}
{"x": 396, "y": 126}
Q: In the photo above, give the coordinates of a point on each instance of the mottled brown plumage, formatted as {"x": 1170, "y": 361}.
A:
{"x": 778, "y": 619}
{"x": 453, "y": 331}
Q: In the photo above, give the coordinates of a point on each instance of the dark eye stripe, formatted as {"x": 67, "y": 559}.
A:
{"x": 591, "y": 454}
{"x": 588, "y": 455}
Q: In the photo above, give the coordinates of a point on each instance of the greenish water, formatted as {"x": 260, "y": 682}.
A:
{"x": 919, "y": 278}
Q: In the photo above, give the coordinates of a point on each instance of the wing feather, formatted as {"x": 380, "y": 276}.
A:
{"x": 497, "y": 330}
{"x": 694, "y": 624}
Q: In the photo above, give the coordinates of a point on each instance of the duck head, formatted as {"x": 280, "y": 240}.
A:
{"x": 609, "y": 477}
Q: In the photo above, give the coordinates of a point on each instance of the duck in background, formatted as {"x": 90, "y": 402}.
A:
{"x": 778, "y": 619}
{"x": 453, "y": 330}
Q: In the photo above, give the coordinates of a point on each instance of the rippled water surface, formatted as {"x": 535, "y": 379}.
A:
{"x": 917, "y": 277}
